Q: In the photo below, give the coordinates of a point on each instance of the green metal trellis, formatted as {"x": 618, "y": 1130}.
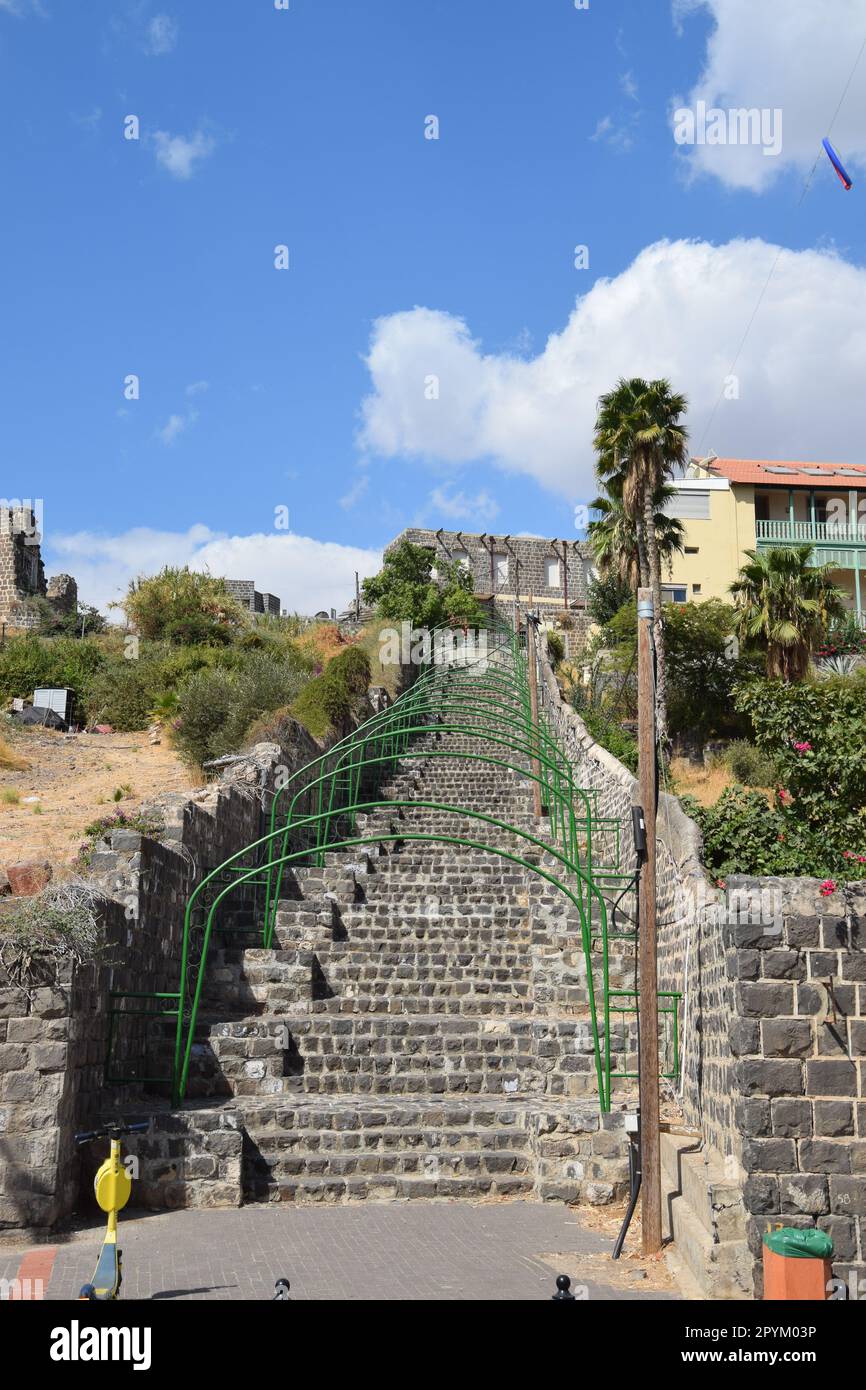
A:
{"x": 316, "y": 811}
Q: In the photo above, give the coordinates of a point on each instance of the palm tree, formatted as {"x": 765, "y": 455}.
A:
{"x": 639, "y": 441}
{"x": 785, "y": 603}
{"x": 613, "y": 536}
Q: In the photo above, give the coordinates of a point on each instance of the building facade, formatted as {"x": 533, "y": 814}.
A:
{"x": 729, "y": 506}
{"x": 509, "y": 570}
{"x": 244, "y": 591}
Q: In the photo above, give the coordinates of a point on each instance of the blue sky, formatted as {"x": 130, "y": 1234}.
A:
{"x": 409, "y": 258}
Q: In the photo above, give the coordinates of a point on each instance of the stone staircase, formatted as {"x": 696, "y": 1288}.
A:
{"x": 421, "y": 1025}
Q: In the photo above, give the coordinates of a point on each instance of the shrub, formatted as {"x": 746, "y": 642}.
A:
{"x": 555, "y": 648}
{"x": 814, "y": 733}
{"x": 28, "y": 662}
{"x": 329, "y": 700}
{"x": 204, "y": 706}
{"x": 744, "y": 835}
{"x": 612, "y": 737}
{"x": 63, "y": 923}
{"x": 406, "y": 589}
{"x": 216, "y": 707}
{"x": 183, "y": 607}
{"x": 750, "y": 765}
{"x": 123, "y": 694}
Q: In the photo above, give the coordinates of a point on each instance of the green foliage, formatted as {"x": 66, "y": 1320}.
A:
{"x": 606, "y": 596}
{"x": 701, "y": 671}
{"x": 83, "y": 622}
{"x": 845, "y": 638}
{"x": 122, "y": 694}
{"x": 183, "y": 607}
{"x": 611, "y": 736}
{"x": 405, "y": 590}
{"x": 750, "y": 765}
{"x": 28, "y": 662}
{"x": 785, "y": 604}
{"x": 743, "y": 835}
{"x": 555, "y": 648}
{"x": 814, "y": 733}
{"x": 329, "y": 700}
{"x": 216, "y": 706}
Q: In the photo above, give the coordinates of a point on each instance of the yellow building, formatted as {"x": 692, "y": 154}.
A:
{"x": 728, "y": 506}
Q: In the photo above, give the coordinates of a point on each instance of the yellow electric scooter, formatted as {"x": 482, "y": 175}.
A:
{"x": 112, "y": 1186}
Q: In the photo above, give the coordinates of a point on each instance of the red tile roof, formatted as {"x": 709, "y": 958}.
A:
{"x": 804, "y": 475}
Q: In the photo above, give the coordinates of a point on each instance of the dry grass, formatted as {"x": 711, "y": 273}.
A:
{"x": 705, "y": 784}
{"x": 11, "y": 761}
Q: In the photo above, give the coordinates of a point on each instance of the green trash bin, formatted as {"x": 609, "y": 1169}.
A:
{"x": 797, "y": 1264}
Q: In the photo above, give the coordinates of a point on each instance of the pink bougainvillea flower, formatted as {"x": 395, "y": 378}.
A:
{"x": 802, "y": 747}
{"x": 827, "y": 887}
{"x": 720, "y": 883}
{"x": 784, "y": 796}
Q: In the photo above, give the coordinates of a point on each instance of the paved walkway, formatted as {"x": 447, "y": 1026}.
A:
{"x": 389, "y": 1251}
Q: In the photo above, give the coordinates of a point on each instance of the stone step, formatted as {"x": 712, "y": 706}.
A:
{"x": 708, "y": 1240}
{"x": 334, "y": 1191}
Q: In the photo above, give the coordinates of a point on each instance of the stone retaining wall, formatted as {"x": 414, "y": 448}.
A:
{"x": 773, "y": 1019}
{"x": 53, "y": 1038}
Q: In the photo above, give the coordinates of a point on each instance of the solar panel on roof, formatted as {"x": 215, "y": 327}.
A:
{"x": 816, "y": 472}
{"x": 778, "y": 468}
{"x": 851, "y": 472}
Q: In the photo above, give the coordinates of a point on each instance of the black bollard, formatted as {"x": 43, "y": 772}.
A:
{"x": 563, "y": 1287}
{"x": 281, "y": 1291}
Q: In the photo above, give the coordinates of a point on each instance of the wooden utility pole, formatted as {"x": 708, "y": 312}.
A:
{"x": 357, "y": 597}
{"x": 648, "y": 1004}
{"x": 531, "y": 660}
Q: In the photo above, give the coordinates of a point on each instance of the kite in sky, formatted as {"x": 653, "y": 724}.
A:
{"x": 837, "y": 164}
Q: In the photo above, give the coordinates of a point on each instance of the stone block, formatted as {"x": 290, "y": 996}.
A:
{"x": 804, "y": 1192}
{"x": 824, "y": 1156}
{"x": 833, "y": 1118}
{"x": 831, "y": 1078}
{"x": 786, "y": 1037}
{"x": 770, "y": 1078}
{"x": 766, "y": 998}
{"x": 791, "y": 1119}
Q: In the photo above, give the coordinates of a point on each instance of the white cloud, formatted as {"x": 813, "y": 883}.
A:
{"x": 196, "y": 388}
{"x": 175, "y": 426}
{"x": 795, "y": 55}
{"x": 179, "y": 154}
{"x": 307, "y": 575}
{"x": 161, "y": 36}
{"x": 457, "y": 506}
{"x": 679, "y": 310}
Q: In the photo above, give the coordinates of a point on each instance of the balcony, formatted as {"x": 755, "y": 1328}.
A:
{"x": 838, "y": 543}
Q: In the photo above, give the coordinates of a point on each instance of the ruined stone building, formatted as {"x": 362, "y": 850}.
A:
{"x": 244, "y": 591}
{"x": 507, "y": 570}
{"x": 22, "y": 573}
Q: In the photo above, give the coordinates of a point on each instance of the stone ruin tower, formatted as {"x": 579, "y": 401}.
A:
{"x": 22, "y": 574}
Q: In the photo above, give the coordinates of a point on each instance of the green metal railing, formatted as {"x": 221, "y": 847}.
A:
{"x": 316, "y": 810}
